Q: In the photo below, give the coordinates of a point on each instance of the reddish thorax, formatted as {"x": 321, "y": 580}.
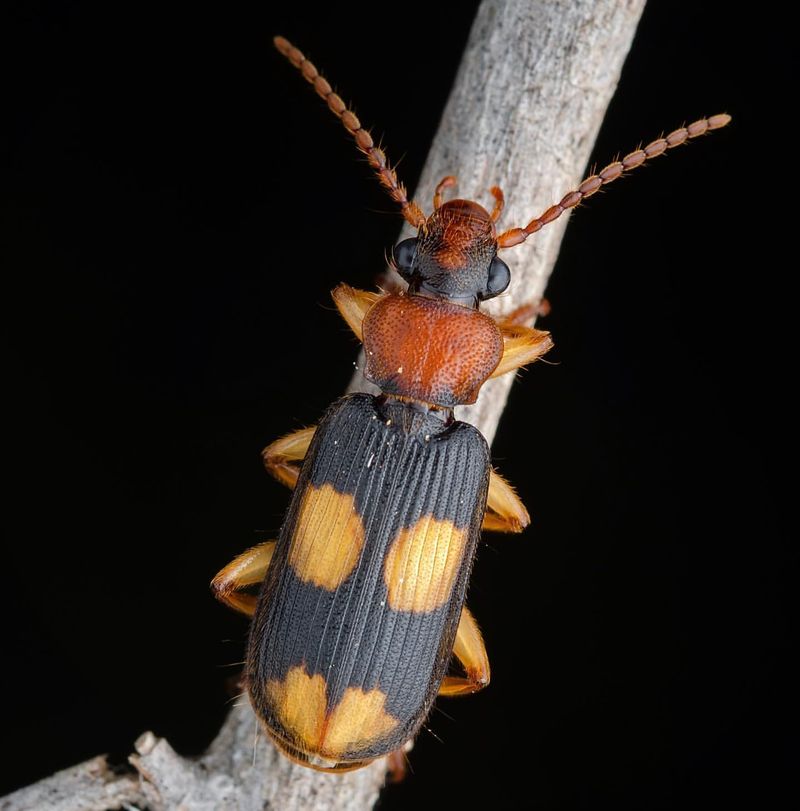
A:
{"x": 429, "y": 349}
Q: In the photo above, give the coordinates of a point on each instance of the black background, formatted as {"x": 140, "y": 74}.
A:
{"x": 177, "y": 206}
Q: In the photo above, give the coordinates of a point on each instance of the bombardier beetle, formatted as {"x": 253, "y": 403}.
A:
{"x": 361, "y": 604}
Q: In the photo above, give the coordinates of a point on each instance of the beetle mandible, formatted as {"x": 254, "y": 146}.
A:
{"x": 361, "y": 608}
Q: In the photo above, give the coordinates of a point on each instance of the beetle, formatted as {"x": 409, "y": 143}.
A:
{"x": 361, "y": 603}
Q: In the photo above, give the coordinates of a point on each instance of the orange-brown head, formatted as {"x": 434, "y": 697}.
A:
{"x": 454, "y": 256}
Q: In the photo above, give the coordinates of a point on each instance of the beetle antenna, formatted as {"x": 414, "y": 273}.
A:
{"x": 515, "y": 236}
{"x": 376, "y": 157}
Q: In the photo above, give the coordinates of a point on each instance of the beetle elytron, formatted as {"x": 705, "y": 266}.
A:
{"x": 362, "y": 603}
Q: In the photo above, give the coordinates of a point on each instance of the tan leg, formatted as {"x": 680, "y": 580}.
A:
{"x": 353, "y": 305}
{"x": 521, "y": 346}
{"x": 282, "y": 457}
{"x": 246, "y": 570}
{"x": 397, "y": 765}
{"x": 471, "y": 653}
{"x": 525, "y": 313}
{"x": 504, "y": 510}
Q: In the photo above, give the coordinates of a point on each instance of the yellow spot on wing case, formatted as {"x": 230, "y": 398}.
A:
{"x": 423, "y": 563}
{"x": 358, "y": 720}
{"x": 328, "y": 538}
{"x": 300, "y": 703}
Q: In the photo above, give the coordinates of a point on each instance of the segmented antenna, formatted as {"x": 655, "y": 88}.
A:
{"x": 515, "y": 236}
{"x": 374, "y": 154}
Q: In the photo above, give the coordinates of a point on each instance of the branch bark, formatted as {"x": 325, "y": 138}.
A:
{"x": 526, "y": 107}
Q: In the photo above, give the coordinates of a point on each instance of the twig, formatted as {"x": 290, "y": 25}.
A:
{"x": 527, "y": 104}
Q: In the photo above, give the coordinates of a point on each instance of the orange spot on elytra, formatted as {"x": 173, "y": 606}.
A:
{"x": 328, "y": 537}
{"x": 423, "y": 563}
{"x": 357, "y": 720}
{"x": 300, "y": 704}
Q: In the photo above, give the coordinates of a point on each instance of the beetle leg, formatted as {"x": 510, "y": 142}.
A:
{"x": 353, "y": 304}
{"x": 471, "y": 653}
{"x": 525, "y": 313}
{"x": 504, "y": 510}
{"x": 391, "y": 282}
{"x": 282, "y": 457}
{"x": 521, "y": 345}
{"x": 397, "y": 764}
{"x": 245, "y": 570}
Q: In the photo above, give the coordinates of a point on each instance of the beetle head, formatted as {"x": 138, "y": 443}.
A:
{"x": 454, "y": 256}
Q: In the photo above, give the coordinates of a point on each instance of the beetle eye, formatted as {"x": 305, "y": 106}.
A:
{"x": 499, "y": 278}
{"x": 404, "y": 255}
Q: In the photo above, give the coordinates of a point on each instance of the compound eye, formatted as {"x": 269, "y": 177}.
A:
{"x": 499, "y": 278}
{"x": 404, "y": 253}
